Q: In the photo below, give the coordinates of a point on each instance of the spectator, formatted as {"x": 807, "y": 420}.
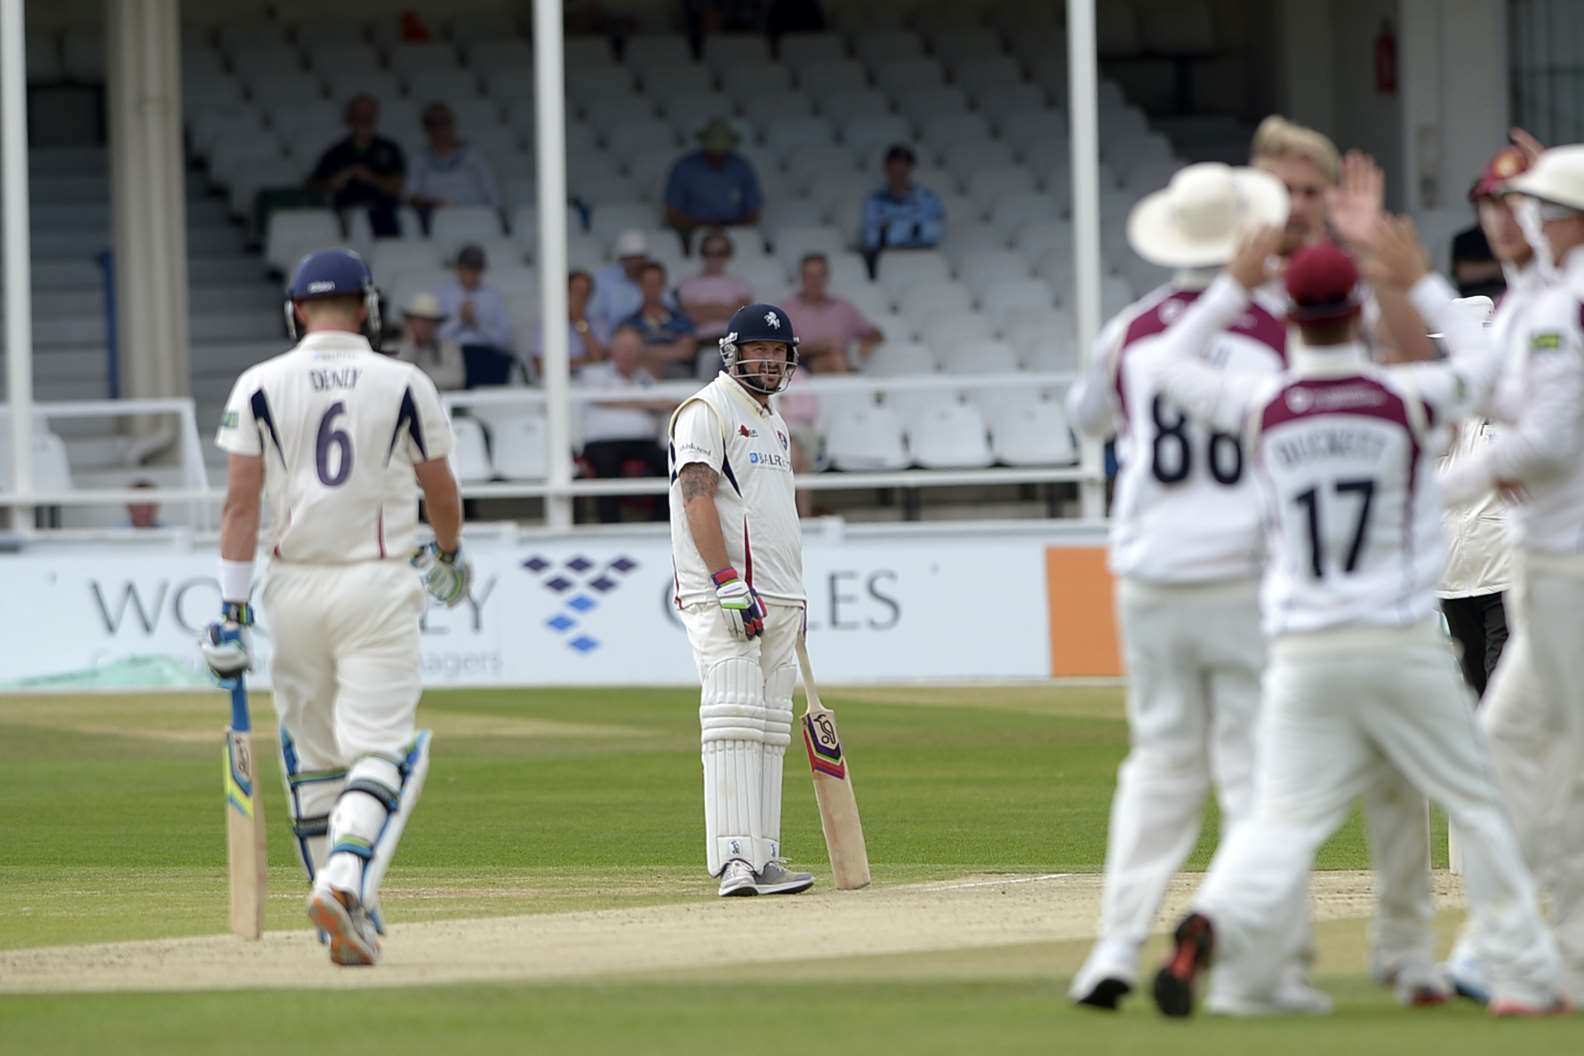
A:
{"x": 901, "y": 215}
{"x": 363, "y": 170}
{"x": 616, "y": 293}
{"x": 143, "y": 514}
{"x": 448, "y": 171}
{"x": 668, "y": 335}
{"x": 583, "y": 348}
{"x": 1475, "y": 269}
{"x": 710, "y": 297}
{"x": 477, "y": 320}
{"x": 620, "y": 434}
{"x": 827, "y": 327}
{"x": 422, "y": 346}
{"x": 713, "y": 186}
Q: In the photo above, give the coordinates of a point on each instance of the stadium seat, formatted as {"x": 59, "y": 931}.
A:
{"x": 648, "y": 51}
{"x": 765, "y": 105}
{"x": 947, "y": 330}
{"x": 497, "y": 55}
{"x": 965, "y": 240}
{"x": 866, "y": 439}
{"x": 1047, "y": 350}
{"x": 854, "y": 103}
{"x": 995, "y": 183}
{"x": 408, "y": 59}
{"x": 878, "y": 48}
{"x": 982, "y": 78}
{"x": 807, "y": 49}
{"x": 470, "y": 459}
{"x": 967, "y": 45}
{"x": 643, "y": 135}
{"x": 454, "y": 225}
{"x": 900, "y": 359}
{"x": 791, "y": 243}
{"x": 788, "y": 135}
{"x": 748, "y": 80}
{"x": 1002, "y": 297}
{"x": 950, "y": 436}
{"x": 51, "y": 465}
{"x": 292, "y": 233}
{"x": 395, "y": 256}
{"x": 981, "y": 357}
{"x": 471, "y": 26}
{"x": 442, "y": 85}
{"x": 944, "y": 130}
{"x": 823, "y": 80}
{"x": 330, "y": 57}
{"x": 766, "y": 277}
{"x": 900, "y": 270}
{"x": 281, "y": 92}
{"x": 1032, "y": 434}
{"x": 926, "y": 105}
{"x": 586, "y": 81}
{"x": 868, "y": 137}
{"x": 748, "y": 49}
{"x": 613, "y": 218}
{"x": 692, "y": 78}
{"x": 1039, "y": 231}
{"x": 911, "y": 404}
{"x": 963, "y": 159}
{"x": 519, "y": 442}
{"x": 585, "y": 52}
{"x": 985, "y": 269}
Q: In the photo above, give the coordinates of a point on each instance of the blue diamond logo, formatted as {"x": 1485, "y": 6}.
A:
{"x": 624, "y": 565}
{"x": 603, "y": 584}
{"x": 559, "y": 584}
{"x": 582, "y": 603}
{"x": 584, "y": 644}
{"x": 561, "y": 622}
{"x": 536, "y": 564}
{"x": 580, "y": 564}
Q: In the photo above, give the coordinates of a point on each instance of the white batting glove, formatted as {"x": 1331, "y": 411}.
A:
{"x": 227, "y": 643}
{"x": 446, "y": 575}
{"x": 740, "y": 604}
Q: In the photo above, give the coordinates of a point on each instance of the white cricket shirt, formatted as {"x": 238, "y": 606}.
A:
{"x": 339, "y": 428}
{"x": 1186, "y": 508}
{"x": 748, "y": 446}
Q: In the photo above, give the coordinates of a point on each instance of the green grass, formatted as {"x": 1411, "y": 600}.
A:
{"x": 111, "y": 804}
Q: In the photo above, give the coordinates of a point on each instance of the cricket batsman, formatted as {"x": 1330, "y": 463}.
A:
{"x": 335, "y": 441}
{"x": 737, "y": 549}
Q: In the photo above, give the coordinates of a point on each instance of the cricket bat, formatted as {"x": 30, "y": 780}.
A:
{"x": 244, "y": 809}
{"x": 833, "y": 790}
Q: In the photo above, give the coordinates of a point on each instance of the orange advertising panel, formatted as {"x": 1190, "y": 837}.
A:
{"x": 1083, "y": 633}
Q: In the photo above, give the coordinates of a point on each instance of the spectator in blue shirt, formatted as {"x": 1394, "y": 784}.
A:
{"x": 713, "y": 186}
{"x": 670, "y": 341}
{"x": 901, "y": 215}
{"x": 478, "y": 320}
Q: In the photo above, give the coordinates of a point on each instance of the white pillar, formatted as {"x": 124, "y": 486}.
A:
{"x": 550, "y": 141}
{"x": 1453, "y": 80}
{"x": 148, "y": 194}
{"x": 18, "y": 249}
{"x": 1083, "y": 116}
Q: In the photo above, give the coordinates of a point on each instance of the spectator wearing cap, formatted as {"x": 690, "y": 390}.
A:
{"x": 828, "y": 327}
{"x": 625, "y": 432}
{"x": 901, "y": 215}
{"x": 363, "y": 170}
{"x": 423, "y": 347}
{"x": 668, "y": 335}
{"x": 448, "y": 171}
{"x": 616, "y": 293}
{"x": 477, "y": 320}
{"x": 710, "y": 297}
{"x": 583, "y": 348}
{"x": 713, "y": 186}
{"x": 1476, "y": 266}
{"x": 143, "y": 514}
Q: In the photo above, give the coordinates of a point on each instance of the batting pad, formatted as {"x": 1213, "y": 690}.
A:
{"x": 414, "y": 768}
{"x": 732, "y": 718}
{"x": 310, "y": 795}
{"x": 778, "y": 734}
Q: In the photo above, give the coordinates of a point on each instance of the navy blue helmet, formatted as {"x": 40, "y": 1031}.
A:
{"x": 333, "y": 273}
{"x": 759, "y": 322}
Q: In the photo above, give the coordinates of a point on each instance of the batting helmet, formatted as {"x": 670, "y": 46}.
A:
{"x": 759, "y": 322}
{"x": 333, "y": 273}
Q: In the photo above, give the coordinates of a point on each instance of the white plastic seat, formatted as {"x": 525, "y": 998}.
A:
{"x": 902, "y": 269}
{"x": 520, "y": 443}
{"x": 905, "y": 76}
{"x": 985, "y": 269}
{"x": 964, "y": 158}
{"x": 640, "y": 136}
{"x": 613, "y": 218}
{"x": 933, "y": 299}
{"x": 455, "y": 224}
{"x": 689, "y": 78}
{"x": 264, "y": 59}
{"x": 470, "y": 459}
{"x": 584, "y": 52}
{"x": 882, "y": 47}
{"x": 397, "y": 256}
{"x": 965, "y": 240}
{"x": 946, "y": 331}
{"x": 1039, "y": 232}
{"x": 792, "y": 243}
{"x": 408, "y": 59}
{"x": 943, "y": 130}
{"x": 750, "y": 49}
{"x": 334, "y": 56}
{"x": 866, "y": 438}
{"x": 1023, "y": 127}
{"x": 981, "y": 78}
{"x": 293, "y": 233}
{"x": 1032, "y": 434}
{"x": 605, "y": 112}
{"x": 489, "y": 57}
{"x": 807, "y": 49}
{"x": 967, "y": 45}
{"x": 896, "y": 358}
{"x": 869, "y": 136}
{"x": 752, "y": 81}
{"x": 764, "y": 105}
{"x": 1047, "y": 350}
{"x": 950, "y": 436}
{"x": 982, "y": 357}
{"x": 766, "y": 277}
{"x": 1001, "y": 297}
{"x": 586, "y": 81}
{"x": 646, "y": 51}
{"x": 993, "y": 184}
{"x": 822, "y": 80}
{"x": 894, "y": 326}
{"x": 447, "y": 85}
{"x": 924, "y": 105}
{"x": 910, "y": 405}
{"x": 280, "y": 93}
{"x": 1115, "y": 295}
{"x": 788, "y": 135}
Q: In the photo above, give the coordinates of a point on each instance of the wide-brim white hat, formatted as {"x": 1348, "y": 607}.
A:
{"x": 1202, "y": 215}
{"x": 1556, "y": 176}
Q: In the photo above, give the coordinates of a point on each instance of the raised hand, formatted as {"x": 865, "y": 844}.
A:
{"x": 1251, "y": 264}
{"x": 1532, "y": 148}
{"x": 1393, "y": 257}
{"x": 1356, "y": 202}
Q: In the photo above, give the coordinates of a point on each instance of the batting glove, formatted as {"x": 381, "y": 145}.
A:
{"x": 740, "y": 603}
{"x": 446, "y": 575}
{"x": 227, "y": 643}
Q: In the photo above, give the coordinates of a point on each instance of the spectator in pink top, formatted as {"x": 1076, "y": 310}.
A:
{"x": 710, "y": 297}
{"x": 827, "y": 327}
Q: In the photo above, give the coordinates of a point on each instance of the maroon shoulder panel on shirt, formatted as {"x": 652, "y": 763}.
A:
{"x": 1353, "y": 394}
{"x": 1256, "y": 323}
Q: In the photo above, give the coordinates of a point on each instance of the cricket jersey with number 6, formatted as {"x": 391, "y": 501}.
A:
{"x": 749, "y": 448}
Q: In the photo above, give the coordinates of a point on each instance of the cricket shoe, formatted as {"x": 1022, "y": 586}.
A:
{"x": 776, "y": 879}
{"x": 338, "y": 914}
{"x": 1422, "y": 985}
{"x": 1468, "y": 979}
{"x": 1105, "y": 978}
{"x": 1518, "y": 1008}
{"x": 1193, "y": 944}
{"x": 737, "y": 879}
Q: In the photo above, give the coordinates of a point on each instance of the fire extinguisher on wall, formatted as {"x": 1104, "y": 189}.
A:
{"x": 1386, "y": 59}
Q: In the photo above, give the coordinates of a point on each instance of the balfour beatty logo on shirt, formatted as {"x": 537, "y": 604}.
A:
{"x": 771, "y": 459}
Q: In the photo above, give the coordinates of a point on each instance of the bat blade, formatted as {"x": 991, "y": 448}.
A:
{"x": 244, "y": 808}
{"x": 833, "y": 790}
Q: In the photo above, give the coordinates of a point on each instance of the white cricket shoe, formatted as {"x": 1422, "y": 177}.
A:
{"x": 1421, "y": 984}
{"x": 776, "y": 879}
{"x": 339, "y": 915}
{"x": 1109, "y": 975}
{"x": 737, "y": 879}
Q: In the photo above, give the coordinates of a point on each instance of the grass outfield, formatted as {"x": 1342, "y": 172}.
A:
{"x": 570, "y": 801}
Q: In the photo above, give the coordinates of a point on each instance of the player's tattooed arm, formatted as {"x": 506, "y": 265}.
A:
{"x": 698, "y": 481}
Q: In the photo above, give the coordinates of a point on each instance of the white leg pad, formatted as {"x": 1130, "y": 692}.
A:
{"x": 732, "y": 730}
{"x": 310, "y": 796}
{"x": 372, "y": 794}
{"x": 414, "y": 768}
{"x": 778, "y": 734}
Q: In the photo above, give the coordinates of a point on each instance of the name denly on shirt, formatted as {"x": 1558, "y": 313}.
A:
{"x": 1336, "y": 442}
{"x": 329, "y": 380}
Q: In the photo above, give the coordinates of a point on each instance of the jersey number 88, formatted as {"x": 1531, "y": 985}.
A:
{"x": 1171, "y": 454}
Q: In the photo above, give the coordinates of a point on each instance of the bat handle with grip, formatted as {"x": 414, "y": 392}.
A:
{"x": 239, "y": 705}
{"x": 808, "y": 673}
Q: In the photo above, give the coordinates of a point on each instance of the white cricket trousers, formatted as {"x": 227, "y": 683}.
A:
{"x": 745, "y": 724}
{"x": 346, "y": 665}
{"x": 1533, "y": 716}
{"x": 1337, "y": 705}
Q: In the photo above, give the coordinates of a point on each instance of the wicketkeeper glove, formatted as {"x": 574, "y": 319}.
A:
{"x": 740, "y": 604}
{"x": 227, "y": 643}
{"x": 446, "y": 575}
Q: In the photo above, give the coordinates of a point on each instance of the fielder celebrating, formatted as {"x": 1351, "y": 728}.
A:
{"x": 1360, "y": 672}
{"x": 338, "y": 440}
{"x": 733, "y": 508}
{"x": 1185, "y": 550}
